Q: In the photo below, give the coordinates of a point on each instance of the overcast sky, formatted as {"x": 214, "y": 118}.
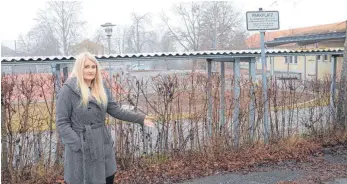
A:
{"x": 18, "y": 16}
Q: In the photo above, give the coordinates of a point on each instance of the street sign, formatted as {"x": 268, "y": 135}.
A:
{"x": 262, "y": 20}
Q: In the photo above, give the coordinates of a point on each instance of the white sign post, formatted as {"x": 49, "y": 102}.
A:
{"x": 262, "y": 21}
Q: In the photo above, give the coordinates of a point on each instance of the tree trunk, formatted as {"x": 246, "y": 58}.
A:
{"x": 342, "y": 101}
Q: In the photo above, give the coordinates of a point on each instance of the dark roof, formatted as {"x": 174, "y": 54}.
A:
{"x": 254, "y": 40}
{"x": 306, "y": 39}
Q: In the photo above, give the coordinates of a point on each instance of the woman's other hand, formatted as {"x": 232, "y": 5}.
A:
{"x": 149, "y": 122}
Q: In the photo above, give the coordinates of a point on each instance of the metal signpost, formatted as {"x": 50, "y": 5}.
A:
{"x": 262, "y": 21}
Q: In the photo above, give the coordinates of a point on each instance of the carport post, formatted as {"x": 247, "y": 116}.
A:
{"x": 65, "y": 72}
{"x": 222, "y": 95}
{"x": 209, "y": 96}
{"x": 332, "y": 88}
{"x": 252, "y": 96}
{"x": 56, "y": 73}
{"x": 236, "y": 101}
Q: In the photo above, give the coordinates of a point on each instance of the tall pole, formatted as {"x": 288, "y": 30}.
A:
{"x": 264, "y": 71}
{"x": 15, "y": 47}
{"x": 109, "y": 44}
{"x": 109, "y": 63}
{"x": 108, "y": 30}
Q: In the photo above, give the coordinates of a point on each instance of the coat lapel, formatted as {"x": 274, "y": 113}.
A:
{"x": 93, "y": 100}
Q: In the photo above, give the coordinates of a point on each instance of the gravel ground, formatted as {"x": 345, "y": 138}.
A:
{"x": 330, "y": 167}
{"x": 274, "y": 176}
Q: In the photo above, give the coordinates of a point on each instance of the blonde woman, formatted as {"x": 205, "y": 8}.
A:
{"x": 82, "y": 104}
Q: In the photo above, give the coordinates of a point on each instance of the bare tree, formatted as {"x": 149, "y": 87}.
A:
{"x": 139, "y": 36}
{"x": 34, "y": 41}
{"x": 206, "y": 26}
{"x": 99, "y": 37}
{"x": 223, "y": 28}
{"x": 119, "y": 39}
{"x": 239, "y": 41}
{"x": 117, "y": 44}
{"x": 25, "y": 43}
{"x": 57, "y": 29}
{"x": 38, "y": 41}
{"x": 189, "y": 35}
{"x": 167, "y": 43}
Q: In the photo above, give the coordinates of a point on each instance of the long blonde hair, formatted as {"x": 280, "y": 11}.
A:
{"x": 97, "y": 87}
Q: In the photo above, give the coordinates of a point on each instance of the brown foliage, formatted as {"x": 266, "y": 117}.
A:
{"x": 194, "y": 165}
{"x": 182, "y": 148}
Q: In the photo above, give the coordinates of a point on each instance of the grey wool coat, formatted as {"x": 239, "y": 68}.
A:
{"x": 89, "y": 155}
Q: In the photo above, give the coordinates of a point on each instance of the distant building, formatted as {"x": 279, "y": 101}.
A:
{"x": 7, "y": 52}
{"x": 314, "y": 37}
{"x": 89, "y": 46}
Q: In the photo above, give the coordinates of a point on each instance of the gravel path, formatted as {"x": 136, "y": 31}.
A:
{"x": 250, "y": 178}
{"x": 329, "y": 168}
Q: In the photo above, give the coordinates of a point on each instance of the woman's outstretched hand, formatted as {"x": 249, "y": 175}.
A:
{"x": 149, "y": 122}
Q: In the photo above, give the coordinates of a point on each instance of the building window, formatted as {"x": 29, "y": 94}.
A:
{"x": 295, "y": 58}
{"x": 320, "y": 58}
{"x": 291, "y": 59}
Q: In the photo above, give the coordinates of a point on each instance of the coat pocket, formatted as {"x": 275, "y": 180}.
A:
{"x": 108, "y": 137}
{"x": 85, "y": 149}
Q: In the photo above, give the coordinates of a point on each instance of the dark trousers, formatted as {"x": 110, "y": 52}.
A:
{"x": 109, "y": 180}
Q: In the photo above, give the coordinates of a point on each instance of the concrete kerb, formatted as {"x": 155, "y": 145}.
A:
{"x": 317, "y": 102}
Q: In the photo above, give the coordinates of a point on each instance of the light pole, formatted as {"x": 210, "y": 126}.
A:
{"x": 108, "y": 30}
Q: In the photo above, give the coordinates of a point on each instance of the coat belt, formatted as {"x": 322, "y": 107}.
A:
{"x": 89, "y": 139}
